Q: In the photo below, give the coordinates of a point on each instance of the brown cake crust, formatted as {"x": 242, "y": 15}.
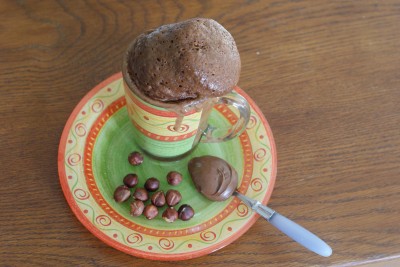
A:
{"x": 193, "y": 59}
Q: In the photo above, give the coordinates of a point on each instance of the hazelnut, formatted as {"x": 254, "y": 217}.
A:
{"x": 152, "y": 184}
{"x": 173, "y": 197}
{"x": 137, "y": 208}
{"x": 135, "y": 158}
{"x": 185, "y": 212}
{"x": 170, "y": 215}
{"x": 130, "y": 180}
{"x": 141, "y": 194}
{"x": 122, "y": 193}
{"x": 158, "y": 199}
{"x": 174, "y": 178}
{"x": 150, "y": 211}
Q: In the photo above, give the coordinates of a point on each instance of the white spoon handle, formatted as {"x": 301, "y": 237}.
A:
{"x": 300, "y": 235}
{"x": 288, "y": 227}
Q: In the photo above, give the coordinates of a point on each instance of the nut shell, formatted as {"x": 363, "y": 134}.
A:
{"x": 131, "y": 180}
{"x": 141, "y": 194}
{"x": 137, "y": 208}
{"x": 150, "y": 212}
{"x": 185, "y": 212}
{"x": 174, "y": 178}
{"x": 135, "y": 158}
{"x": 152, "y": 184}
{"x": 122, "y": 193}
{"x": 173, "y": 197}
{"x": 158, "y": 199}
{"x": 170, "y": 215}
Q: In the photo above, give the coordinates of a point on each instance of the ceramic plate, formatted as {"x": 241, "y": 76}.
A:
{"x": 92, "y": 162}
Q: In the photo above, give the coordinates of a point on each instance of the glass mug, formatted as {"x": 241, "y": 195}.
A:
{"x": 172, "y": 130}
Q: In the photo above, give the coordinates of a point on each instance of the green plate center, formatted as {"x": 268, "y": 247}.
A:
{"x": 110, "y": 164}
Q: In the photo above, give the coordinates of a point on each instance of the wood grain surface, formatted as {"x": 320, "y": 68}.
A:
{"x": 326, "y": 74}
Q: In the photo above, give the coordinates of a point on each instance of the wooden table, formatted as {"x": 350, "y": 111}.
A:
{"x": 326, "y": 74}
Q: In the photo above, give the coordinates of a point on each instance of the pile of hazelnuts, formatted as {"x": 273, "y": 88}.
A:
{"x": 151, "y": 191}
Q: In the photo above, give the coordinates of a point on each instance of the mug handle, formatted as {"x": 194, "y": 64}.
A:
{"x": 214, "y": 134}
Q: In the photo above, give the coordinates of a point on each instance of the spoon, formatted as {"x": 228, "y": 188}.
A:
{"x": 217, "y": 181}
